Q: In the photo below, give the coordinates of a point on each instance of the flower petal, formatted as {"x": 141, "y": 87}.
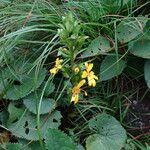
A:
{"x": 84, "y": 74}
{"x": 88, "y": 66}
{"x": 53, "y": 70}
{"x": 75, "y": 98}
{"x": 81, "y": 83}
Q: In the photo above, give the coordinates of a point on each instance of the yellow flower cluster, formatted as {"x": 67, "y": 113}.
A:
{"x": 57, "y": 66}
{"x": 87, "y": 73}
{"x": 76, "y": 91}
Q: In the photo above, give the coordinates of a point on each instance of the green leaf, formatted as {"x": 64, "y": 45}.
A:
{"x": 57, "y": 140}
{"x": 129, "y": 29}
{"x": 32, "y": 101}
{"x": 34, "y": 145}
{"x": 18, "y": 80}
{"x": 147, "y": 72}
{"x": 100, "y": 45}
{"x": 49, "y": 88}
{"x": 14, "y": 112}
{"x": 111, "y": 67}
{"x": 26, "y": 127}
{"x": 110, "y": 135}
{"x": 141, "y": 48}
{"x": 16, "y": 146}
{"x": 3, "y": 117}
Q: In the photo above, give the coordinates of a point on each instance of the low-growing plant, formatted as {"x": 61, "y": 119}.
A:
{"x": 69, "y": 74}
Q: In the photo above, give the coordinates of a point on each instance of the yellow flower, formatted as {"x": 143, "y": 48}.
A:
{"x": 89, "y": 74}
{"x": 57, "y": 66}
{"x": 53, "y": 70}
{"x": 58, "y": 63}
{"x": 76, "y": 70}
{"x": 76, "y": 91}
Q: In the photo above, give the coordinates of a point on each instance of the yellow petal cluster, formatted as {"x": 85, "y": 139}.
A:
{"x": 57, "y": 66}
{"x": 76, "y": 91}
{"x": 87, "y": 73}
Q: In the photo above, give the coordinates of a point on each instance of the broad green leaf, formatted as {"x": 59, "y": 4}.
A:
{"x": 14, "y": 112}
{"x": 34, "y": 145}
{"x": 110, "y": 135}
{"x": 141, "y": 48}
{"x": 111, "y": 67}
{"x": 147, "y": 72}
{"x": 129, "y": 29}
{"x": 18, "y": 80}
{"x": 147, "y": 30}
{"x": 100, "y": 45}
{"x": 26, "y": 127}
{"x": 15, "y": 146}
{"x": 49, "y": 88}
{"x": 32, "y": 101}
{"x": 57, "y": 140}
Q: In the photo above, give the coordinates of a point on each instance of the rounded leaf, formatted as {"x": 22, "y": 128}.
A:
{"x": 111, "y": 67}
{"x": 110, "y": 135}
{"x": 18, "y": 80}
{"x": 57, "y": 140}
{"x": 32, "y": 101}
{"x": 100, "y": 45}
{"x": 141, "y": 48}
{"x": 127, "y": 30}
{"x": 26, "y": 127}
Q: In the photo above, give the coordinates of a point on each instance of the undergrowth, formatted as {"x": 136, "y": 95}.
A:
{"x": 74, "y": 74}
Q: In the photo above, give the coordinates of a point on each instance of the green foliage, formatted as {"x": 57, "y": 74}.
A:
{"x": 32, "y": 101}
{"x": 111, "y": 67}
{"x": 109, "y": 134}
{"x": 15, "y": 146}
{"x": 18, "y": 80}
{"x": 100, "y": 45}
{"x": 141, "y": 48}
{"x": 56, "y": 139}
{"x": 26, "y": 127}
{"x": 49, "y": 88}
{"x": 35, "y": 102}
{"x": 128, "y": 30}
{"x": 14, "y": 112}
{"x": 3, "y": 117}
{"x": 130, "y": 146}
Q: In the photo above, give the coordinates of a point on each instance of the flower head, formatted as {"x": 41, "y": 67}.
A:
{"x": 76, "y": 91}
{"x": 76, "y": 70}
{"x": 87, "y": 73}
{"x": 57, "y": 66}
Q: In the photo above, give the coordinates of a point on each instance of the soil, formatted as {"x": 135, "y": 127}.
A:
{"x": 138, "y": 118}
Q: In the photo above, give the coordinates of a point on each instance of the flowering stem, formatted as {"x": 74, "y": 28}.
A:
{"x": 72, "y": 58}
